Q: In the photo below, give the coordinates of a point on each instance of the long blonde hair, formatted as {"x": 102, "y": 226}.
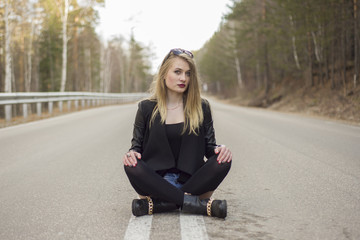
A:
{"x": 192, "y": 100}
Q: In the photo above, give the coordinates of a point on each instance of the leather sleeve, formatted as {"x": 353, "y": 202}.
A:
{"x": 209, "y": 132}
{"x": 139, "y": 131}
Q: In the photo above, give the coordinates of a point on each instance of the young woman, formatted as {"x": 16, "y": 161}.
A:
{"x": 173, "y": 131}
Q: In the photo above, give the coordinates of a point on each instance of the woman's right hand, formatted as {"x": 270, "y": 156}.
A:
{"x": 130, "y": 158}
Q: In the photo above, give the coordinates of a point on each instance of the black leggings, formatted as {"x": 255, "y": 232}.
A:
{"x": 147, "y": 182}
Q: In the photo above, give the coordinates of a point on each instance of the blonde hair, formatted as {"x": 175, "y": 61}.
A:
{"x": 191, "y": 97}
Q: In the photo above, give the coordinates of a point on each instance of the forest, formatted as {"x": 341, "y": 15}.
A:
{"x": 265, "y": 52}
{"x": 52, "y": 45}
{"x": 268, "y": 50}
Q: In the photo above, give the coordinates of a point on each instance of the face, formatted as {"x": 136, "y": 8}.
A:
{"x": 178, "y": 77}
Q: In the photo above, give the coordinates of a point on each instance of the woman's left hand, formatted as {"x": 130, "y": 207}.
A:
{"x": 225, "y": 154}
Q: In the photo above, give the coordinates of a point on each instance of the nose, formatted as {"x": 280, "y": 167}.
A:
{"x": 183, "y": 76}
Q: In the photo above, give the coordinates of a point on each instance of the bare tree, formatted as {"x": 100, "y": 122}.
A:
{"x": 356, "y": 45}
{"x": 235, "y": 52}
{"x": 63, "y": 6}
{"x": 32, "y": 19}
{"x": 293, "y": 41}
{"x": 8, "y": 31}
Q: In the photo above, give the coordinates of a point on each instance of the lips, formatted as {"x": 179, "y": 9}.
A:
{"x": 181, "y": 85}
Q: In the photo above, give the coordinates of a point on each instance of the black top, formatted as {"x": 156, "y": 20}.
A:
{"x": 173, "y": 133}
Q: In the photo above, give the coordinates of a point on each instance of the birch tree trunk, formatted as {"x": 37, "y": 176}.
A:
{"x": 107, "y": 71}
{"x": 343, "y": 48}
{"x": 236, "y": 58}
{"x": 8, "y": 75}
{"x": 293, "y": 39}
{"x": 88, "y": 79}
{"x": 332, "y": 63}
{"x": 64, "y": 18}
{"x": 122, "y": 69}
{"x": 267, "y": 78}
{"x": 257, "y": 68}
{"x": 29, "y": 59}
{"x": 356, "y": 45}
{"x": 310, "y": 60}
{"x": 238, "y": 70}
{"x": 75, "y": 60}
{"x": 102, "y": 62}
{"x": 317, "y": 51}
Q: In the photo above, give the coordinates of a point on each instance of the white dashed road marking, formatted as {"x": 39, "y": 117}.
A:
{"x": 192, "y": 227}
{"x": 139, "y": 228}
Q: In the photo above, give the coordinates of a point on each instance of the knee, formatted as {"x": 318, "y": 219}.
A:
{"x": 225, "y": 166}
{"x": 131, "y": 170}
{"x": 228, "y": 164}
{"x": 128, "y": 170}
{"x": 219, "y": 167}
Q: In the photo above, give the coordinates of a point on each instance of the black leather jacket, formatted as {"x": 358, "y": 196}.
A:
{"x": 152, "y": 142}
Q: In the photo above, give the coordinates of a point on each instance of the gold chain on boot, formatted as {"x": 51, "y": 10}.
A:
{"x": 151, "y": 205}
{"x": 208, "y": 206}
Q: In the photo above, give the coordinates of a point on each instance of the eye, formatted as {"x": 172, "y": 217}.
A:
{"x": 177, "y": 72}
{"x": 188, "y": 74}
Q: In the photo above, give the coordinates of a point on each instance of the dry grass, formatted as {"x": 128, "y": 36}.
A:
{"x": 34, "y": 117}
{"x": 315, "y": 102}
{"x": 322, "y": 103}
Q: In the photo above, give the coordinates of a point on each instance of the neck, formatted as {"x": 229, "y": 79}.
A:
{"x": 174, "y": 98}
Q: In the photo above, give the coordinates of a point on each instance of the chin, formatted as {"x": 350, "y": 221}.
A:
{"x": 182, "y": 90}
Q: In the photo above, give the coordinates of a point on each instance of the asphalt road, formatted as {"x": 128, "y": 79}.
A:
{"x": 292, "y": 178}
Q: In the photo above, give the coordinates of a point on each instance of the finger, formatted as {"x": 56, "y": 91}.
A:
{"x": 221, "y": 155}
{"x": 226, "y": 157}
{"x": 230, "y": 158}
{"x": 131, "y": 160}
{"x": 218, "y": 151}
{"x": 138, "y": 155}
{"x": 126, "y": 161}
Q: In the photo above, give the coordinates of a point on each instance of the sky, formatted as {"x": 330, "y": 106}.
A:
{"x": 162, "y": 24}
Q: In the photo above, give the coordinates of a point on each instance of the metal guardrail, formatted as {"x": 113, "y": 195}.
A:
{"x": 84, "y": 98}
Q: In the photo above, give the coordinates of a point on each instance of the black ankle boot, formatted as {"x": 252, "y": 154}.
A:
{"x": 193, "y": 204}
{"x": 149, "y": 206}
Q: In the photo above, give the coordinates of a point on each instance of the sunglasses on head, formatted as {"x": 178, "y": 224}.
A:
{"x": 178, "y": 51}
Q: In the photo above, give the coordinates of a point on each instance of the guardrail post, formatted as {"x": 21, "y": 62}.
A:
{"x": 76, "y": 102}
{"x": 60, "y": 106}
{"x": 25, "y": 110}
{"x": 8, "y": 113}
{"x": 38, "y": 108}
{"x": 50, "y": 108}
{"x": 69, "y": 105}
{"x": 82, "y": 103}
